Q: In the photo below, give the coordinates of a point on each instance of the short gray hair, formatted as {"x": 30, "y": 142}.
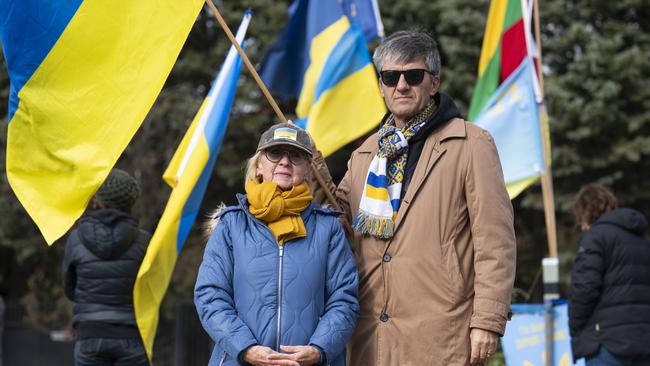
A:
{"x": 408, "y": 46}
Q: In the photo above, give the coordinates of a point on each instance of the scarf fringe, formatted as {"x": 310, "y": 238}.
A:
{"x": 378, "y": 226}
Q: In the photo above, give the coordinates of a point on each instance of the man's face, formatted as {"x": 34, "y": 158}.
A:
{"x": 405, "y": 100}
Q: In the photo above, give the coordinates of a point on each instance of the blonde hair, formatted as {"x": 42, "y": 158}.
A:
{"x": 251, "y": 167}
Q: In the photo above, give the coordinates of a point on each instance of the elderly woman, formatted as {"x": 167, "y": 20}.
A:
{"x": 278, "y": 282}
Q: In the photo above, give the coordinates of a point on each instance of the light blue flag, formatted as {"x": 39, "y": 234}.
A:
{"x": 512, "y": 117}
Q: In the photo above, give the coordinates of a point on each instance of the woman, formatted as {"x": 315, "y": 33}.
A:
{"x": 278, "y": 282}
{"x": 609, "y": 298}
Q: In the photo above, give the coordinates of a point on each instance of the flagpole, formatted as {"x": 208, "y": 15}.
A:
{"x": 247, "y": 62}
{"x": 546, "y": 177}
{"x": 550, "y": 265}
{"x": 269, "y": 97}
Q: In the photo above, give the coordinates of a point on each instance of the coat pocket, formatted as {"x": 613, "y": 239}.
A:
{"x": 455, "y": 280}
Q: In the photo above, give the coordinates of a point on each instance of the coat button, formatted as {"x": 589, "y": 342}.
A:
{"x": 386, "y": 258}
{"x": 384, "y": 317}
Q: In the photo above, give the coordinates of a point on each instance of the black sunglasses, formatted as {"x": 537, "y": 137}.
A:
{"x": 275, "y": 154}
{"x": 413, "y": 77}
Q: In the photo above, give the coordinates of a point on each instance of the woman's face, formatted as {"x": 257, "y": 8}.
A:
{"x": 283, "y": 165}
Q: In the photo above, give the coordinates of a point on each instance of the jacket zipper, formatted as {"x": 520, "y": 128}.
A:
{"x": 277, "y": 333}
{"x": 223, "y": 358}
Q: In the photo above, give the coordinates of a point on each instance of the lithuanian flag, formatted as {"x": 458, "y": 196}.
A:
{"x": 506, "y": 99}
{"x": 504, "y": 48}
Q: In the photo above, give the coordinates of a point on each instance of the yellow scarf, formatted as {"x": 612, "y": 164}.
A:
{"x": 279, "y": 209}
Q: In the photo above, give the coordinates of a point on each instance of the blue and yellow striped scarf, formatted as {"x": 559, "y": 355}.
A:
{"x": 381, "y": 194}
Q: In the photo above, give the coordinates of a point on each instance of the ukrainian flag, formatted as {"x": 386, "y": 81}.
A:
{"x": 188, "y": 174}
{"x": 285, "y": 133}
{"x": 84, "y": 74}
{"x": 322, "y": 54}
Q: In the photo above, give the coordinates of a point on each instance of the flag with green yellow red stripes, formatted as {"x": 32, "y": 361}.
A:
{"x": 507, "y": 100}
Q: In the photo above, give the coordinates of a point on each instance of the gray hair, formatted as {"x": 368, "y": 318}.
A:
{"x": 408, "y": 46}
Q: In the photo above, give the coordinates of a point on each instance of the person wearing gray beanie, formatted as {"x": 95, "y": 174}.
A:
{"x": 102, "y": 257}
{"x": 119, "y": 191}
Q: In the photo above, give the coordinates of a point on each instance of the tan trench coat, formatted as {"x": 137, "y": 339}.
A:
{"x": 451, "y": 263}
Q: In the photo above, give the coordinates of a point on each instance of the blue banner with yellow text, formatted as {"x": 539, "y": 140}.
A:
{"x": 523, "y": 342}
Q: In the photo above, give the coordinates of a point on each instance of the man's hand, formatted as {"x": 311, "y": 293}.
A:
{"x": 264, "y": 356}
{"x": 304, "y": 355}
{"x": 483, "y": 344}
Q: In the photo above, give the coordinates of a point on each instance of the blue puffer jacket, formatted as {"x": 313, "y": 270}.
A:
{"x": 250, "y": 291}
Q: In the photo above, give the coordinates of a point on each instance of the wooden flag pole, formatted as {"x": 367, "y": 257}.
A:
{"x": 550, "y": 265}
{"x": 269, "y": 97}
{"x": 247, "y": 62}
{"x": 547, "y": 176}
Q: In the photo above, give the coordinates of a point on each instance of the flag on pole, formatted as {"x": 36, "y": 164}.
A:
{"x": 83, "y": 75}
{"x": 188, "y": 174}
{"x": 512, "y": 117}
{"x": 366, "y": 14}
{"x": 322, "y": 58}
{"x": 507, "y": 99}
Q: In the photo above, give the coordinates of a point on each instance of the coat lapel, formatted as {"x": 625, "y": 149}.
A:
{"x": 432, "y": 151}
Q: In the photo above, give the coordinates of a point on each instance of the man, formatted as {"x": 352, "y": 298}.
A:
{"x": 101, "y": 261}
{"x": 433, "y": 223}
{"x": 609, "y": 298}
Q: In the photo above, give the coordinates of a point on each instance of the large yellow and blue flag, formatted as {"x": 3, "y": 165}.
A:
{"x": 321, "y": 57}
{"x": 84, "y": 74}
{"x": 188, "y": 174}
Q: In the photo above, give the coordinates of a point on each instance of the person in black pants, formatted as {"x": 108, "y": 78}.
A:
{"x": 102, "y": 256}
{"x": 609, "y": 297}
{"x": 6, "y": 269}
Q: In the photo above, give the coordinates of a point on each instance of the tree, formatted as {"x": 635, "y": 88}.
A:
{"x": 595, "y": 65}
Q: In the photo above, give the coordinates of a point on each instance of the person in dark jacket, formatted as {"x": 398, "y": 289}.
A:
{"x": 278, "y": 282}
{"x": 609, "y": 298}
{"x": 102, "y": 257}
{"x": 7, "y": 258}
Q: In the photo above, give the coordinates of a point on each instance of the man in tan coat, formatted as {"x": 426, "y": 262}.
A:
{"x": 433, "y": 225}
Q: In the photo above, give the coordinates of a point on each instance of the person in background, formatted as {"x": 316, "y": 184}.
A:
{"x": 278, "y": 282}
{"x": 6, "y": 270}
{"x": 102, "y": 257}
{"x": 434, "y": 234}
{"x": 609, "y": 296}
